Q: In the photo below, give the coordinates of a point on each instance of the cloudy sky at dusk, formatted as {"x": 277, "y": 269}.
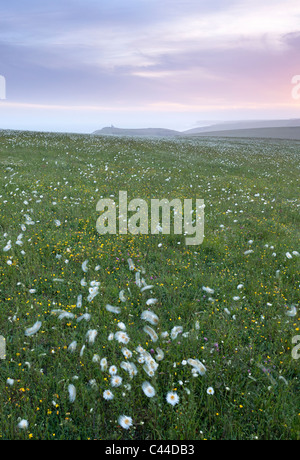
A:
{"x": 80, "y": 65}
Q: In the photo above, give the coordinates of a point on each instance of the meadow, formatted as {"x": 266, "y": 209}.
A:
{"x": 116, "y": 337}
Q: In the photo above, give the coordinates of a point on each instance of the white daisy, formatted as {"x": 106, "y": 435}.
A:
{"x": 125, "y": 421}
{"x": 116, "y": 381}
{"x": 122, "y": 337}
{"x": 172, "y": 398}
{"x": 23, "y": 424}
{"x": 127, "y": 353}
{"x": 113, "y": 370}
{"x": 91, "y": 335}
{"x": 148, "y": 389}
{"x": 108, "y": 395}
{"x": 103, "y": 364}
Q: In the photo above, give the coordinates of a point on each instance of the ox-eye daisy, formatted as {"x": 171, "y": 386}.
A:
{"x": 113, "y": 370}
{"x": 116, "y": 381}
{"x": 125, "y": 421}
{"x": 108, "y": 395}
{"x": 172, "y": 398}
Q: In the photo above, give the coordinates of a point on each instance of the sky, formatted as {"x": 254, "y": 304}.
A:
{"x": 80, "y": 65}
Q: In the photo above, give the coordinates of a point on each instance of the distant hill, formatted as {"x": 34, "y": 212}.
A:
{"x": 145, "y": 132}
{"x": 270, "y": 129}
{"x": 247, "y": 124}
{"x": 289, "y": 133}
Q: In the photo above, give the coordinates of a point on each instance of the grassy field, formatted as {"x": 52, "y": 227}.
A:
{"x": 239, "y": 332}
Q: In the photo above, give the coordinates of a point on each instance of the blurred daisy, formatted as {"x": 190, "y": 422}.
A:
{"x": 72, "y": 393}
{"x": 93, "y": 291}
{"x": 84, "y": 266}
{"x": 122, "y": 296}
{"x": 34, "y": 329}
{"x": 198, "y": 367}
{"x": 91, "y": 335}
{"x": 113, "y": 309}
{"x": 7, "y": 247}
{"x": 210, "y": 391}
{"x": 151, "y": 302}
{"x": 122, "y": 337}
{"x": 148, "y": 389}
{"x": 86, "y": 317}
{"x": 23, "y": 424}
{"x": 127, "y": 353}
{"x": 129, "y": 367}
{"x": 151, "y": 317}
{"x": 164, "y": 334}
{"x": 79, "y": 301}
{"x": 160, "y": 354}
{"x": 116, "y": 381}
{"x": 151, "y": 333}
{"x": 292, "y": 312}
{"x": 148, "y": 370}
{"x": 131, "y": 264}
{"x": 103, "y": 364}
{"x": 72, "y": 346}
{"x": 175, "y": 331}
{"x": 208, "y": 290}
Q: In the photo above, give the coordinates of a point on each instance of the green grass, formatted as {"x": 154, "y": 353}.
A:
{"x": 251, "y": 193}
